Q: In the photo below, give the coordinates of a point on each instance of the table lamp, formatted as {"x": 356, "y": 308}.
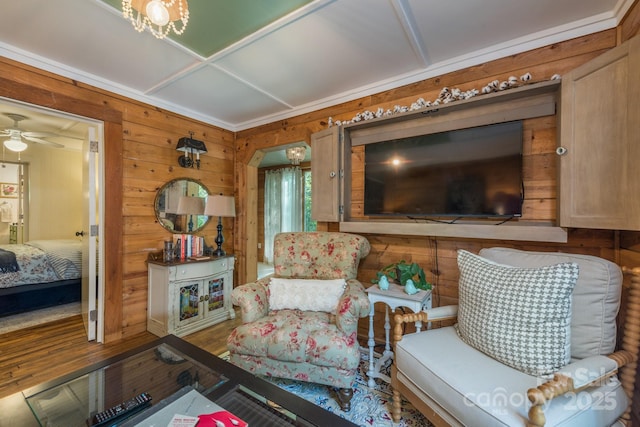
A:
{"x": 220, "y": 206}
{"x": 190, "y": 205}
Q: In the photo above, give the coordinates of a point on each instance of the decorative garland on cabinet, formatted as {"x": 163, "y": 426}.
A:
{"x": 446, "y": 96}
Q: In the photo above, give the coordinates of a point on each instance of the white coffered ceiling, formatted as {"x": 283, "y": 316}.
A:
{"x": 306, "y": 56}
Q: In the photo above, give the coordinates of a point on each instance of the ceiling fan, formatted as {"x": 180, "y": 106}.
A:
{"x": 15, "y": 134}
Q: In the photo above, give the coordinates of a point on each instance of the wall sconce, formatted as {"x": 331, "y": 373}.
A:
{"x": 190, "y": 205}
{"x": 296, "y": 154}
{"x": 220, "y": 206}
{"x": 190, "y": 147}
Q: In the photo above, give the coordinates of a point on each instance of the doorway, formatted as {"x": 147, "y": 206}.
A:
{"x": 53, "y": 154}
{"x": 284, "y": 199}
{"x": 13, "y": 193}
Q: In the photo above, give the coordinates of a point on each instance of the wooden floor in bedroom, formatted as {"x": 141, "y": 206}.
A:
{"x": 41, "y": 353}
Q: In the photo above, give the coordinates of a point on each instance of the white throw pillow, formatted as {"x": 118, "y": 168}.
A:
{"x": 519, "y": 316}
{"x": 305, "y": 294}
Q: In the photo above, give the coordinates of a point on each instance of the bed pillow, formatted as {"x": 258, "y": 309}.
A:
{"x": 305, "y": 294}
{"x": 518, "y": 316}
{"x": 64, "y": 255}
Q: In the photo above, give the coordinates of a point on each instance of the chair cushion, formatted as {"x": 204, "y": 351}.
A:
{"x": 297, "y": 336}
{"x": 519, "y": 316}
{"x": 596, "y": 296}
{"x": 305, "y": 294}
{"x": 479, "y": 391}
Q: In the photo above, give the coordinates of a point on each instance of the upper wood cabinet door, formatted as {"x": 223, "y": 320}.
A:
{"x": 325, "y": 175}
{"x": 600, "y": 130}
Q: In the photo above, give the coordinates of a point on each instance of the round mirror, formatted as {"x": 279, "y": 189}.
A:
{"x": 179, "y": 206}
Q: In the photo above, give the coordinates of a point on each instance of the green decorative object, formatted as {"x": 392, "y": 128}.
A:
{"x": 410, "y": 288}
{"x": 383, "y": 283}
{"x": 402, "y": 271}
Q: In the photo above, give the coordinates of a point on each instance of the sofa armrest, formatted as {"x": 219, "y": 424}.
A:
{"x": 353, "y": 305}
{"x": 590, "y": 370}
{"x": 437, "y": 314}
{"x": 252, "y": 299}
{"x": 572, "y": 378}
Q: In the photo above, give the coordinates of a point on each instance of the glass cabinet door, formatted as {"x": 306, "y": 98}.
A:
{"x": 215, "y": 291}
{"x": 189, "y": 307}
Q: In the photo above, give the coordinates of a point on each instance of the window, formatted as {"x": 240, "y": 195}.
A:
{"x": 309, "y": 224}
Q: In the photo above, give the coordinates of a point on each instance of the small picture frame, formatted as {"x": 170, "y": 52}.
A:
{"x": 8, "y": 189}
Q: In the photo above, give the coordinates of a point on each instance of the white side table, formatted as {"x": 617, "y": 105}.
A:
{"x": 394, "y": 297}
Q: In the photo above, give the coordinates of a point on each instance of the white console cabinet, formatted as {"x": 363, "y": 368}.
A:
{"x": 188, "y": 296}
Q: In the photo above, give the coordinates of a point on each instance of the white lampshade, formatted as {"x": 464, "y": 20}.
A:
{"x": 189, "y": 205}
{"x": 15, "y": 144}
{"x": 219, "y": 205}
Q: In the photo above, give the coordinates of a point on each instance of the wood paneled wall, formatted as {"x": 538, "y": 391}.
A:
{"x": 140, "y": 157}
{"x": 438, "y": 255}
{"x": 540, "y": 165}
{"x": 149, "y": 161}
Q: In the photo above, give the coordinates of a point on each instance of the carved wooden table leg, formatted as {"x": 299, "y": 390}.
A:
{"x": 396, "y": 407}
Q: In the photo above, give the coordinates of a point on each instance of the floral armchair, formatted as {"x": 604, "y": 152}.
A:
{"x": 297, "y": 338}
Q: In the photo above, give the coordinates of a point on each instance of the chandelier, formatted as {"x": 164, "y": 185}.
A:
{"x": 159, "y": 16}
{"x": 296, "y": 154}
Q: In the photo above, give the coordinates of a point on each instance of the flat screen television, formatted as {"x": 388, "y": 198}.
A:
{"x": 473, "y": 172}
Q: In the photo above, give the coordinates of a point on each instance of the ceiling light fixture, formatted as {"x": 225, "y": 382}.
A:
{"x": 159, "y": 16}
{"x": 296, "y": 154}
{"x": 15, "y": 143}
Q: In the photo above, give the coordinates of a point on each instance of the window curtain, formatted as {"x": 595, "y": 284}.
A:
{"x": 283, "y": 205}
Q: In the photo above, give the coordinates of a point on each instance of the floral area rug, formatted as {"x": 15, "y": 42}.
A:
{"x": 370, "y": 407}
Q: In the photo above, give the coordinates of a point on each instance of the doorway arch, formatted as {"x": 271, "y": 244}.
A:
{"x": 246, "y": 232}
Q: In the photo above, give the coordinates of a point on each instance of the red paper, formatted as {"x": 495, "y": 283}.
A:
{"x": 225, "y": 417}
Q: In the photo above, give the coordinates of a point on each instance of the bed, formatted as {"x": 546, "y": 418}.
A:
{"x": 49, "y": 272}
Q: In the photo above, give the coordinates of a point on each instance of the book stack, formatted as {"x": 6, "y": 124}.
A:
{"x": 188, "y": 246}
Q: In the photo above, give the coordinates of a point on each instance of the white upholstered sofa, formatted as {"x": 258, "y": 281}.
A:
{"x": 523, "y": 358}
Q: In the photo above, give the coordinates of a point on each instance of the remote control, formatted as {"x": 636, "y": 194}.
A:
{"x": 122, "y": 410}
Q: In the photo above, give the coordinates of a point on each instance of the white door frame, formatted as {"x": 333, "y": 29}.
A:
{"x": 99, "y": 125}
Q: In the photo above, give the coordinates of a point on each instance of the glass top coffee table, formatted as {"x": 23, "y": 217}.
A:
{"x": 163, "y": 369}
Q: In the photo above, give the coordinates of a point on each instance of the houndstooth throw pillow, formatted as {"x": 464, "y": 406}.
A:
{"x": 518, "y": 316}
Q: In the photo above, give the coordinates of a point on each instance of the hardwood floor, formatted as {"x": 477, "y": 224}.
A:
{"x": 41, "y": 353}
